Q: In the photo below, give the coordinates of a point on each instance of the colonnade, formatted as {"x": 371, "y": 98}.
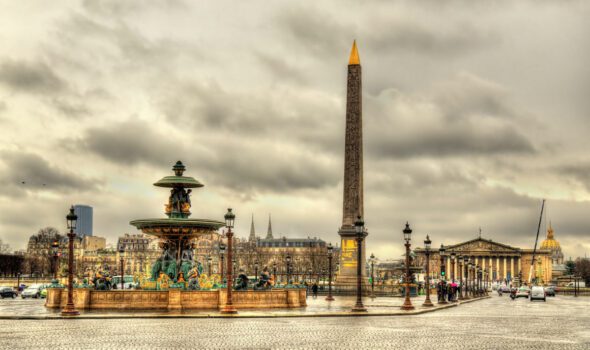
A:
{"x": 499, "y": 267}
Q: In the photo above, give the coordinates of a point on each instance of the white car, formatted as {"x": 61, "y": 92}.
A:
{"x": 538, "y": 292}
{"x": 31, "y": 292}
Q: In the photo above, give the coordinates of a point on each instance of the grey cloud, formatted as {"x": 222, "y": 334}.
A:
{"x": 281, "y": 69}
{"x": 69, "y": 109}
{"x": 130, "y": 142}
{"x": 579, "y": 172}
{"x": 401, "y": 35}
{"x": 30, "y": 172}
{"x": 277, "y": 115}
{"x": 34, "y": 77}
{"x": 117, "y": 8}
{"x": 252, "y": 168}
{"x": 264, "y": 167}
{"x": 466, "y": 116}
{"x": 315, "y": 29}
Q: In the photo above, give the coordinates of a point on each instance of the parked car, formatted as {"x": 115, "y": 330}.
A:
{"x": 523, "y": 291}
{"x": 538, "y": 292}
{"x": 550, "y": 291}
{"x": 7, "y": 292}
{"x": 503, "y": 289}
{"x": 31, "y": 292}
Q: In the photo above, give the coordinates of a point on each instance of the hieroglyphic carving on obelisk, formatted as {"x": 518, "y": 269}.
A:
{"x": 353, "y": 171}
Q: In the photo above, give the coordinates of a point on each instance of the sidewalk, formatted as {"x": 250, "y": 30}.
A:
{"x": 341, "y": 307}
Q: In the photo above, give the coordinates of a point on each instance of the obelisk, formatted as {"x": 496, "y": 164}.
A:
{"x": 353, "y": 175}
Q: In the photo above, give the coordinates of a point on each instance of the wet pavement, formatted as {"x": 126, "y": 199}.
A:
{"x": 492, "y": 323}
{"x": 35, "y": 308}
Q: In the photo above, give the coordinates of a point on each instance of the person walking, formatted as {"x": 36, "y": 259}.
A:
{"x": 314, "y": 290}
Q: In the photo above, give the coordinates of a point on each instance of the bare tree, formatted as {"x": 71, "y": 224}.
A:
{"x": 4, "y": 247}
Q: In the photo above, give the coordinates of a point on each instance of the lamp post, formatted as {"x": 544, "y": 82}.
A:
{"x": 466, "y": 276}
{"x": 472, "y": 279}
{"x": 443, "y": 272}
{"x": 69, "y": 309}
{"x": 55, "y": 254}
{"x": 330, "y": 253}
{"x": 372, "y": 276}
{"x": 256, "y": 270}
{"x": 453, "y": 290}
{"x": 274, "y": 271}
{"x": 460, "y": 277}
{"x": 288, "y": 260}
{"x": 359, "y": 226}
{"x": 234, "y": 264}
{"x": 309, "y": 278}
{"x": 407, "y": 237}
{"x": 427, "y": 245}
{"x": 209, "y": 259}
{"x": 229, "y": 223}
{"x": 453, "y": 266}
{"x": 221, "y": 255}
{"x": 121, "y": 257}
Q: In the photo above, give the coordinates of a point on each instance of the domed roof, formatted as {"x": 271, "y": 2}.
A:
{"x": 550, "y": 242}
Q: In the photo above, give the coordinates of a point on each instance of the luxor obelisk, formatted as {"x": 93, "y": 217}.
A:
{"x": 353, "y": 175}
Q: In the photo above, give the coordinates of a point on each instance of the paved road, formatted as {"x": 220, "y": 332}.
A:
{"x": 496, "y": 323}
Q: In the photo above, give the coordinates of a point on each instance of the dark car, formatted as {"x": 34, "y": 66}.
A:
{"x": 550, "y": 291}
{"x": 7, "y": 292}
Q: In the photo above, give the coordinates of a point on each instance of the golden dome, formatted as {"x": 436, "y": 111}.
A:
{"x": 550, "y": 242}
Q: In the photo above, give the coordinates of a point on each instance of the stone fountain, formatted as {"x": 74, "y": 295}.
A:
{"x": 176, "y": 266}
{"x": 175, "y": 281}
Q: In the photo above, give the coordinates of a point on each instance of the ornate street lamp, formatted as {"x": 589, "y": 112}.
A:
{"x": 460, "y": 271}
{"x": 209, "y": 259}
{"x": 427, "y": 245}
{"x": 221, "y": 255}
{"x": 229, "y": 223}
{"x": 55, "y": 254}
{"x": 256, "y": 270}
{"x": 288, "y": 259}
{"x": 121, "y": 257}
{"x": 466, "y": 268}
{"x": 407, "y": 237}
{"x": 443, "y": 274}
{"x": 372, "y": 259}
{"x": 330, "y": 253}
{"x": 453, "y": 256}
{"x": 274, "y": 271}
{"x": 69, "y": 309}
{"x": 359, "y": 226}
{"x": 471, "y": 286}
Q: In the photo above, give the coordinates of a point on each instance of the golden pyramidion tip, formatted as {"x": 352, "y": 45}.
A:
{"x": 354, "y": 55}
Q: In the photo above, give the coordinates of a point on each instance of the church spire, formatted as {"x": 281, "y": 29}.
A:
{"x": 252, "y": 237}
{"x": 354, "y": 55}
{"x": 269, "y": 232}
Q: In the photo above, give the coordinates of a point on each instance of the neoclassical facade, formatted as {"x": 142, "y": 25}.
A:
{"x": 503, "y": 263}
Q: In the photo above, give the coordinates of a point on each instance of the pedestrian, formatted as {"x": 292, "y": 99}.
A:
{"x": 314, "y": 290}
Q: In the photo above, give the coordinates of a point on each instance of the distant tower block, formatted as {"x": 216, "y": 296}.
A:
{"x": 84, "y": 225}
{"x": 353, "y": 174}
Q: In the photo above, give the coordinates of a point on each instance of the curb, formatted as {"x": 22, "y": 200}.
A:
{"x": 244, "y": 315}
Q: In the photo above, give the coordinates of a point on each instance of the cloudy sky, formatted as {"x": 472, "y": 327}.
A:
{"x": 473, "y": 111}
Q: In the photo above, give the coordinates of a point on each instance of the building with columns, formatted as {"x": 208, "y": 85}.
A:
{"x": 503, "y": 262}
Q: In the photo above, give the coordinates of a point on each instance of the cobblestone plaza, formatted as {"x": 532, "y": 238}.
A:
{"x": 562, "y": 322}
